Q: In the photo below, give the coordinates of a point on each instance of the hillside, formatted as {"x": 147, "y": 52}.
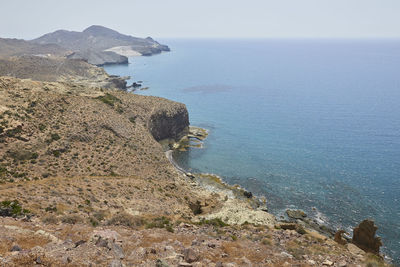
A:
{"x": 17, "y": 47}
{"x": 92, "y": 43}
{"x": 84, "y": 182}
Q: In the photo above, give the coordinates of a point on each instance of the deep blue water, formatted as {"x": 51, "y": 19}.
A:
{"x": 306, "y": 123}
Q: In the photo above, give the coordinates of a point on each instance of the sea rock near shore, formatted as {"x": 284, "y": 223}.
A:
{"x": 296, "y": 214}
{"x": 364, "y": 237}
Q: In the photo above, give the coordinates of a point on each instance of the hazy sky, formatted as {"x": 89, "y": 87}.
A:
{"x": 205, "y": 18}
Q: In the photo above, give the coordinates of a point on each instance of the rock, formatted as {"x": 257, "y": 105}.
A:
{"x": 354, "y": 249}
{"x": 161, "y": 263}
{"x": 190, "y": 255}
{"x": 339, "y": 238}
{"x": 15, "y": 248}
{"x": 168, "y": 122}
{"x": 311, "y": 262}
{"x": 364, "y": 237}
{"x": 327, "y": 263}
{"x": 342, "y": 263}
{"x": 80, "y": 242}
{"x": 296, "y": 214}
{"x": 285, "y": 254}
{"x": 248, "y": 194}
{"x": 106, "y": 234}
{"x": 38, "y": 260}
{"x": 115, "y": 263}
{"x": 101, "y": 242}
{"x": 184, "y": 264}
{"x": 118, "y": 252}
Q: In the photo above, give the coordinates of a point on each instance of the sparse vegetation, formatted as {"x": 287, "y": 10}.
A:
{"x": 109, "y": 99}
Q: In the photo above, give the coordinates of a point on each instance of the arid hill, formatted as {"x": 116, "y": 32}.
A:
{"x": 84, "y": 182}
{"x": 99, "y": 45}
{"x": 16, "y": 47}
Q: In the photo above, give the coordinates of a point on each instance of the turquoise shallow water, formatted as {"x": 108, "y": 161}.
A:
{"x": 307, "y": 123}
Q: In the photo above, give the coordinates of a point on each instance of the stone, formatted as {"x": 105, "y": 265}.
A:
{"x": 354, "y": 249}
{"x": 118, "y": 252}
{"x": 296, "y": 214}
{"x": 80, "y": 242}
{"x": 342, "y": 263}
{"x": 311, "y": 262}
{"x": 161, "y": 263}
{"x": 15, "y": 248}
{"x": 364, "y": 237}
{"x": 285, "y": 254}
{"x": 38, "y": 260}
{"x": 184, "y": 264}
{"x": 101, "y": 242}
{"x": 190, "y": 255}
{"x": 327, "y": 263}
{"x": 339, "y": 237}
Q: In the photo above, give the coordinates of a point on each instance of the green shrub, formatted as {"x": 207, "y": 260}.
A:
{"x": 109, "y": 99}
{"x": 12, "y": 209}
{"x": 217, "y": 222}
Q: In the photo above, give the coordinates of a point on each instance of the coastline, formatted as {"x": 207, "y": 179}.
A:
{"x": 235, "y": 196}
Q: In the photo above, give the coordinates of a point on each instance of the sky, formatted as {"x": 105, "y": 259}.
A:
{"x": 29, "y": 19}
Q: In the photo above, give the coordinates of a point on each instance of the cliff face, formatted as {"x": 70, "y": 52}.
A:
{"x": 169, "y": 123}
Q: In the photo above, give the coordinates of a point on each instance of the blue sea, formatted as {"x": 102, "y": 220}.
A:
{"x": 309, "y": 124}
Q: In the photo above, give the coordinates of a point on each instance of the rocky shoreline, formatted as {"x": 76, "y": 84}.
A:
{"x": 296, "y": 220}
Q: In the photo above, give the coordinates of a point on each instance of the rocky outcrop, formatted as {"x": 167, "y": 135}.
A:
{"x": 169, "y": 122}
{"x": 364, "y": 237}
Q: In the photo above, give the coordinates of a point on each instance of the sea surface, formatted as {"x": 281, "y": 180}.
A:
{"x": 309, "y": 124}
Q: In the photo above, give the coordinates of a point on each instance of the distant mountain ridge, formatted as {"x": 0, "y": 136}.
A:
{"x": 91, "y": 43}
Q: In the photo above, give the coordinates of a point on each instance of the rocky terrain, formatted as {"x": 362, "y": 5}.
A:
{"x": 59, "y": 69}
{"x": 84, "y": 182}
{"x": 99, "y": 45}
{"x": 16, "y": 47}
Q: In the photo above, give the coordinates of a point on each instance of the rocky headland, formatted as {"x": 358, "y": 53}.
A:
{"x": 99, "y": 45}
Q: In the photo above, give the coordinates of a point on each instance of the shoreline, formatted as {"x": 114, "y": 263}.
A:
{"x": 215, "y": 184}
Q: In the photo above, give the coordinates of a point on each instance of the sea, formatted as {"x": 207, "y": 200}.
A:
{"x": 310, "y": 124}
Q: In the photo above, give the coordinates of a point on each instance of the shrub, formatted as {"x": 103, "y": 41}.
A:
{"x": 126, "y": 219}
{"x": 50, "y": 219}
{"x": 22, "y": 155}
{"x": 12, "y": 209}
{"x": 71, "y": 219}
{"x": 109, "y": 99}
{"x": 217, "y": 222}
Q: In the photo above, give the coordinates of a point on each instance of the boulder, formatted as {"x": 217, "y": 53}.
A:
{"x": 339, "y": 237}
{"x": 296, "y": 214}
{"x": 190, "y": 255}
{"x": 364, "y": 237}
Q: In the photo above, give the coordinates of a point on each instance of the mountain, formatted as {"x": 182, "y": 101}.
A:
{"x": 92, "y": 43}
